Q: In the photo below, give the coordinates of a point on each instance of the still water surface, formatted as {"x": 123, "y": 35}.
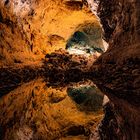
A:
{"x": 36, "y": 111}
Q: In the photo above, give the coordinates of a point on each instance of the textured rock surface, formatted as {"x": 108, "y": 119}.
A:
{"x": 117, "y": 71}
{"x": 29, "y": 29}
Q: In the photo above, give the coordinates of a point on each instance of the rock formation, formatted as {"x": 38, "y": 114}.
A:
{"x": 117, "y": 70}
{"x": 31, "y": 28}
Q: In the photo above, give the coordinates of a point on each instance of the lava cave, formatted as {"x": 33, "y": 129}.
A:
{"x": 69, "y": 69}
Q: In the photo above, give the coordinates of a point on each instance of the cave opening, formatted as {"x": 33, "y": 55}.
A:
{"x": 87, "y": 41}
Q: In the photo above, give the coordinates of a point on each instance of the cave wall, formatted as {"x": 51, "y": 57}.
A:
{"x": 31, "y": 28}
{"x": 117, "y": 71}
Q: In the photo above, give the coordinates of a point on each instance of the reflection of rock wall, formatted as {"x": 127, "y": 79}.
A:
{"x": 31, "y": 28}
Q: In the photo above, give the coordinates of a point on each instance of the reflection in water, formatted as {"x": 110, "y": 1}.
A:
{"x": 35, "y": 111}
{"x": 88, "y": 98}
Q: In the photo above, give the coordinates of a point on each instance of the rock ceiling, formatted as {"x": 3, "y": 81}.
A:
{"x": 32, "y": 28}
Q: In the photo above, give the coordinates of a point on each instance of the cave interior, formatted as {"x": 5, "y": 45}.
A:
{"x": 69, "y": 70}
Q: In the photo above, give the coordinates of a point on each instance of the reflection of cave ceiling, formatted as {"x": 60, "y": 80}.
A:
{"x": 39, "y": 26}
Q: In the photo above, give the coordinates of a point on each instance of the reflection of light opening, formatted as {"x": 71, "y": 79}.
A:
{"x": 87, "y": 98}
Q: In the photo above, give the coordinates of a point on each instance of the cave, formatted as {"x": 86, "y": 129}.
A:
{"x": 86, "y": 40}
{"x": 69, "y": 69}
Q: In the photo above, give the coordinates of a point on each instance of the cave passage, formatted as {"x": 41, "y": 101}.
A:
{"x": 82, "y": 42}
